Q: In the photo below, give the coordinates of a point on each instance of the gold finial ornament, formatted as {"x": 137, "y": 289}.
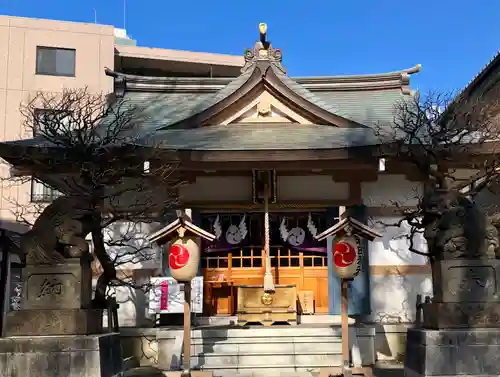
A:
{"x": 263, "y": 28}
{"x": 262, "y": 51}
{"x": 263, "y": 32}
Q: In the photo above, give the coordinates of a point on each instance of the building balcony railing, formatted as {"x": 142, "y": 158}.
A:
{"x": 41, "y": 193}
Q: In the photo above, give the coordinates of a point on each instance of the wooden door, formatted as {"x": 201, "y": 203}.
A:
{"x": 224, "y": 271}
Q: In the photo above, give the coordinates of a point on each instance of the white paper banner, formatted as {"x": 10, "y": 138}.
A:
{"x": 167, "y": 296}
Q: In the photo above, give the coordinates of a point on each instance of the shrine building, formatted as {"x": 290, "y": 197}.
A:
{"x": 315, "y": 136}
{"x": 314, "y": 139}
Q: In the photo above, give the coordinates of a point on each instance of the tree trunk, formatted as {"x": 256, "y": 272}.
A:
{"x": 109, "y": 271}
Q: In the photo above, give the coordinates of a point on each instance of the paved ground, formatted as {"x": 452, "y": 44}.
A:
{"x": 388, "y": 370}
{"x": 381, "y": 370}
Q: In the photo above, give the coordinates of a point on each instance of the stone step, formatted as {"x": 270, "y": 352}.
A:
{"x": 264, "y": 373}
{"x": 272, "y": 331}
{"x": 267, "y": 339}
{"x": 316, "y": 319}
{"x": 267, "y": 351}
{"x": 267, "y": 371}
{"x": 272, "y": 346}
{"x": 240, "y": 361}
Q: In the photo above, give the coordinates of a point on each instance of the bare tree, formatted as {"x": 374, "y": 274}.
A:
{"x": 434, "y": 135}
{"x": 94, "y": 151}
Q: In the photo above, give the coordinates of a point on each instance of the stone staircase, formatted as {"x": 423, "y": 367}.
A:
{"x": 270, "y": 351}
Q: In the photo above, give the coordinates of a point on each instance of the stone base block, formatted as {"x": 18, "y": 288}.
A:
{"x": 194, "y": 373}
{"x": 67, "y": 285}
{"x": 61, "y": 356}
{"x": 54, "y": 322}
{"x": 455, "y": 315}
{"x": 466, "y": 280}
{"x": 149, "y": 371}
{"x": 471, "y": 352}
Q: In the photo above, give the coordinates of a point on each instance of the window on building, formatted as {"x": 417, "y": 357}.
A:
{"x": 55, "y": 61}
{"x": 59, "y": 121}
{"x": 43, "y": 193}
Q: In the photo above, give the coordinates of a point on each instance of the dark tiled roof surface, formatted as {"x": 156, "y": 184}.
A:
{"x": 368, "y": 107}
{"x": 371, "y": 107}
{"x": 160, "y": 110}
{"x": 303, "y": 92}
{"x": 205, "y": 102}
{"x": 284, "y": 136}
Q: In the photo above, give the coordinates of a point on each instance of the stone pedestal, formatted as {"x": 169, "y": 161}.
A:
{"x": 61, "y": 356}
{"x": 471, "y": 352}
{"x": 466, "y": 295}
{"x": 57, "y": 333}
{"x": 461, "y": 327}
{"x": 56, "y": 301}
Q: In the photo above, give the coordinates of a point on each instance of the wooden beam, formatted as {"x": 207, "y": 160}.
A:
{"x": 400, "y": 270}
{"x": 228, "y": 164}
{"x": 355, "y": 194}
{"x": 283, "y": 155}
{"x": 359, "y": 175}
{"x": 388, "y": 210}
{"x": 248, "y": 206}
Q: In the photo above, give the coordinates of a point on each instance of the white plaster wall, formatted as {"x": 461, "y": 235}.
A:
{"x": 313, "y": 187}
{"x": 393, "y": 296}
{"x": 393, "y": 247}
{"x": 133, "y": 310}
{"x": 127, "y": 243}
{"x": 217, "y": 188}
{"x": 390, "y": 189}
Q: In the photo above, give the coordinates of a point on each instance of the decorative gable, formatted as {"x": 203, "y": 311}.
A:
{"x": 265, "y": 108}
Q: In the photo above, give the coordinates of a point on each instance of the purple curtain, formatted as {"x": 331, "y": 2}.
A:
{"x": 294, "y": 230}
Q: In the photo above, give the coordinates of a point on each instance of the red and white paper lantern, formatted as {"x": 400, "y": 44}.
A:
{"x": 184, "y": 258}
{"x": 347, "y": 257}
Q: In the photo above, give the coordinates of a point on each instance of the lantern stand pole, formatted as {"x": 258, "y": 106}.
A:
{"x": 187, "y": 330}
{"x": 346, "y": 367}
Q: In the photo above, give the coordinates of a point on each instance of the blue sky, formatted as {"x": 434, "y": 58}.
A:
{"x": 452, "y": 40}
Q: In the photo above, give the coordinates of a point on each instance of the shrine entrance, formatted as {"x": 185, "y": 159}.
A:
{"x": 299, "y": 260}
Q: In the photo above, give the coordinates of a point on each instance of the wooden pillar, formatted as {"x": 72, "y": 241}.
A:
{"x": 333, "y": 215}
{"x": 187, "y": 330}
{"x": 4, "y": 286}
{"x": 346, "y": 362}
